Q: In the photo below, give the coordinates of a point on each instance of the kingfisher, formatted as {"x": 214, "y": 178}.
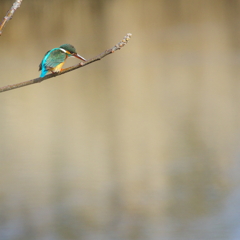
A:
{"x": 55, "y": 58}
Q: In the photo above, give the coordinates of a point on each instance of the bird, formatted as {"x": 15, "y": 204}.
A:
{"x": 54, "y": 59}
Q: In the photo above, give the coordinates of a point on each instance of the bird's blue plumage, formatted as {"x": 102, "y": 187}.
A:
{"x": 44, "y": 72}
{"x": 54, "y": 59}
{"x": 51, "y": 59}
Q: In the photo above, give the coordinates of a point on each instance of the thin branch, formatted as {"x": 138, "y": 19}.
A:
{"x": 9, "y": 14}
{"x": 118, "y": 46}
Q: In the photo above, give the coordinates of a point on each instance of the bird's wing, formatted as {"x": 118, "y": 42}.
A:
{"x": 53, "y": 58}
{"x": 40, "y": 65}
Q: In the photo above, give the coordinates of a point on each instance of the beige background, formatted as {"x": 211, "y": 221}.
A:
{"x": 141, "y": 145}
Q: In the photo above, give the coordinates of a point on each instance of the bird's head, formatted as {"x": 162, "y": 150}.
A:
{"x": 70, "y": 51}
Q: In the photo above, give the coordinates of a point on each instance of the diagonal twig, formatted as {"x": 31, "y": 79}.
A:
{"x": 118, "y": 46}
{"x": 9, "y": 14}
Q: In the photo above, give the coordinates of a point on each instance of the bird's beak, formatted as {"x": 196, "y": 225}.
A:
{"x": 78, "y": 56}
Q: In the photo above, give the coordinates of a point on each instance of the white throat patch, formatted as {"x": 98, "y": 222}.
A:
{"x": 63, "y": 50}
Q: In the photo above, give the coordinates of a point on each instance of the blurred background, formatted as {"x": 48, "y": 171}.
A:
{"x": 144, "y": 144}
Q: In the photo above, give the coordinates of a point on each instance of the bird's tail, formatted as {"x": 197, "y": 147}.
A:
{"x": 44, "y": 72}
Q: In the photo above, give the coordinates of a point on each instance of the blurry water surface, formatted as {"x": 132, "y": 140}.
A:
{"x": 141, "y": 145}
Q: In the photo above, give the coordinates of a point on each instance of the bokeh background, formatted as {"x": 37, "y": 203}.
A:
{"x": 144, "y": 144}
